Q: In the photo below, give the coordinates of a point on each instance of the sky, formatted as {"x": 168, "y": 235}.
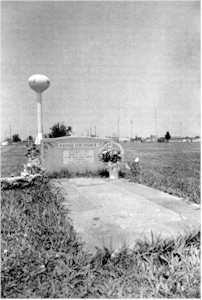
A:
{"x": 134, "y": 61}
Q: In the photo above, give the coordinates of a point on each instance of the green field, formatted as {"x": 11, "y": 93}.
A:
{"x": 12, "y": 159}
{"x": 170, "y": 167}
{"x": 42, "y": 257}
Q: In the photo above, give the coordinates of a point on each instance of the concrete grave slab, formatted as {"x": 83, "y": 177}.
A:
{"x": 114, "y": 212}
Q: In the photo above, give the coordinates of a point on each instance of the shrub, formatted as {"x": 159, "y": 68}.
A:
{"x": 60, "y": 129}
{"x": 16, "y": 138}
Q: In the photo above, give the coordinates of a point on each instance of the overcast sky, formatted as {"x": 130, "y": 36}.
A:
{"x": 104, "y": 60}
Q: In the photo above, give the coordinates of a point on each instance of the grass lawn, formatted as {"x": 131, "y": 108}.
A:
{"x": 170, "y": 167}
{"x": 12, "y": 159}
{"x": 42, "y": 256}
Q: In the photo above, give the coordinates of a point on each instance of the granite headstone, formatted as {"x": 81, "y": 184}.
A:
{"x": 77, "y": 154}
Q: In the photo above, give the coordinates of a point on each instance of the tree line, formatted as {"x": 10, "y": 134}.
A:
{"x": 60, "y": 130}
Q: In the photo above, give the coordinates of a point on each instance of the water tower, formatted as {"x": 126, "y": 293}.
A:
{"x": 39, "y": 83}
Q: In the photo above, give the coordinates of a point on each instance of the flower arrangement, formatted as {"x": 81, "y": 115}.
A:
{"x": 110, "y": 155}
{"x": 33, "y": 166}
{"x": 33, "y": 171}
{"x": 112, "y": 158}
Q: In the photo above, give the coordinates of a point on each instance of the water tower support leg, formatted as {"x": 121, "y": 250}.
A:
{"x": 39, "y": 119}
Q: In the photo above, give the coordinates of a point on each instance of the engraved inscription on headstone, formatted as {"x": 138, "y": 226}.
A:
{"x": 77, "y": 145}
{"x": 78, "y": 157}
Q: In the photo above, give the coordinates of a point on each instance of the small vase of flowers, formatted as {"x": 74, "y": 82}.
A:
{"x": 112, "y": 158}
{"x": 33, "y": 166}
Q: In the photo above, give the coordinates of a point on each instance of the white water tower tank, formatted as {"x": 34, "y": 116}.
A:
{"x": 39, "y": 83}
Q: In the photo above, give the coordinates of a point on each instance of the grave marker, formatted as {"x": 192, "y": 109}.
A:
{"x": 74, "y": 153}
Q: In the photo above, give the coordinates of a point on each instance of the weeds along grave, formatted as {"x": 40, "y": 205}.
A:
{"x": 42, "y": 256}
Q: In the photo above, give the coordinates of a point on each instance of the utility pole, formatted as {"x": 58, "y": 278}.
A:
{"x": 131, "y": 123}
{"x": 118, "y": 128}
{"x": 95, "y": 131}
{"x": 180, "y": 129}
{"x": 156, "y": 122}
{"x": 10, "y": 131}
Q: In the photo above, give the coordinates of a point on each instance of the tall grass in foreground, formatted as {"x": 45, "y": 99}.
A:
{"x": 42, "y": 256}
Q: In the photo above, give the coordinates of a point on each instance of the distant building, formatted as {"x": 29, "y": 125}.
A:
{"x": 161, "y": 140}
{"x": 175, "y": 139}
{"x": 186, "y": 139}
{"x": 136, "y": 140}
{"x": 151, "y": 139}
{"x": 147, "y": 140}
{"x": 178, "y": 139}
{"x": 115, "y": 139}
{"x": 124, "y": 140}
{"x": 154, "y": 138}
{"x": 4, "y": 143}
{"x": 196, "y": 140}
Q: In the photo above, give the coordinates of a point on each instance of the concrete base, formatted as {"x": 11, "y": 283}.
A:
{"x": 116, "y": 212}
{"x": 38, "y": 139}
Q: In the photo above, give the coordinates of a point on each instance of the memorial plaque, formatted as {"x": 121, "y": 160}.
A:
{"x": 78, "y": 154}
{"x": 78, "y": 157}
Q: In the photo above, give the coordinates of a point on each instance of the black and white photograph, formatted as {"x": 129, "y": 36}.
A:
{"x": 100, "y": 149}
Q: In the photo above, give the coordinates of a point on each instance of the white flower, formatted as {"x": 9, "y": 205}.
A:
{"x": 24, "y": 174}
{"x": 127, "y": 166}
{"x": 115, "y": 253}
{"x": 5, "y": 251}
{"x": 137, "y": 159}
{"x": 42, "y": 267}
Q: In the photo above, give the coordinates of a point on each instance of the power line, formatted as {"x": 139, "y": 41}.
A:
{"x": 10, "y": 130}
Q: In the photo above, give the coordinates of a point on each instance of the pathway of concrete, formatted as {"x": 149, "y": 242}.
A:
{"x": 116, "y": 212}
